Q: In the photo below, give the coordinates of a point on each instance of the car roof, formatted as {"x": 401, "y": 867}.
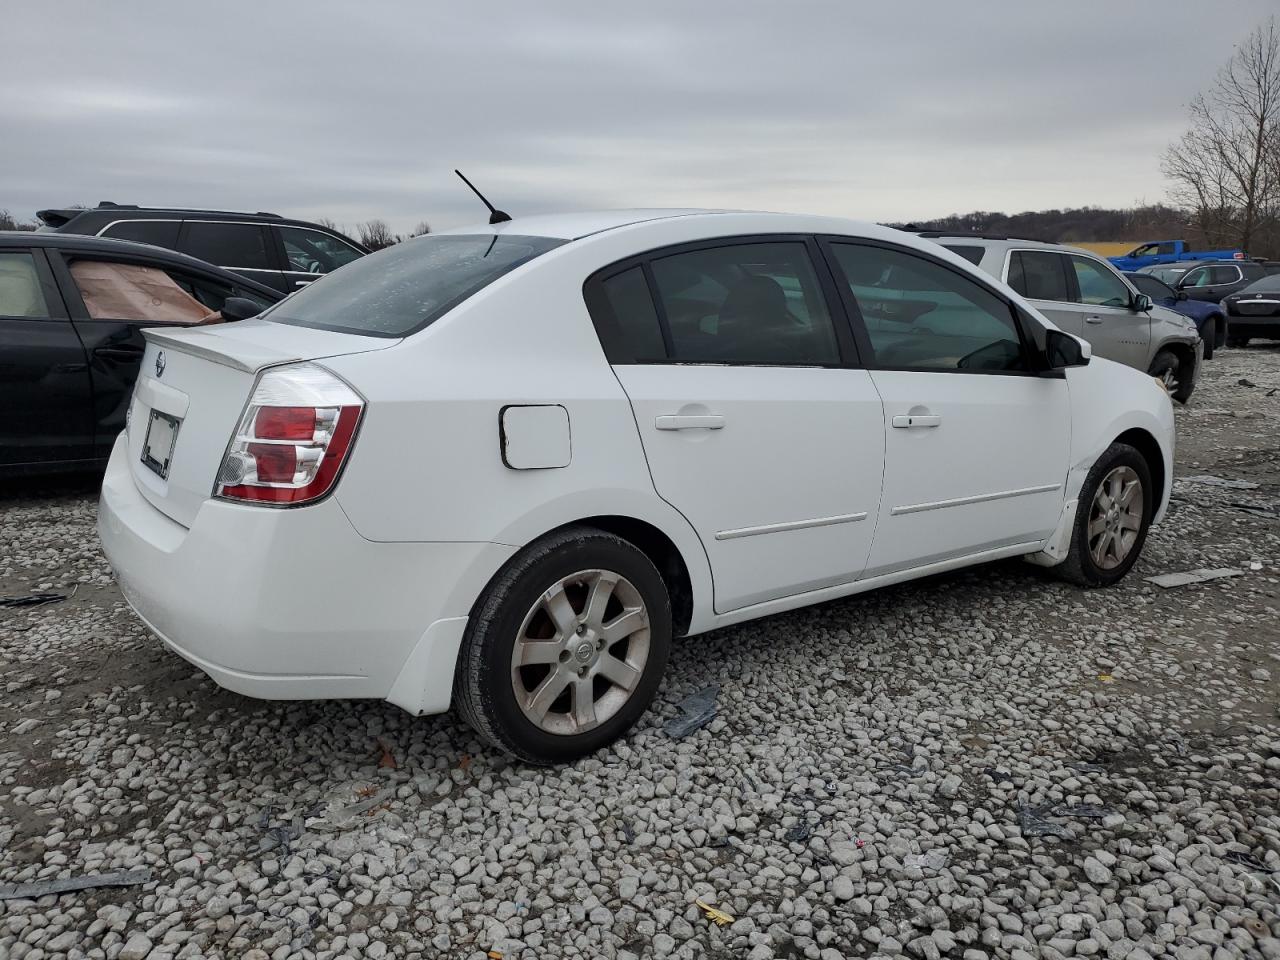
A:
{"x": 575, "y": 226}
{"x": 944, "y": 235}
{"x": 108, "y": 246}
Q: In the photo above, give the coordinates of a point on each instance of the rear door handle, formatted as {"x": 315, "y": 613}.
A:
{"x": 1093, "y": 320}
{"x": 914, "y": 421}
{"x": 119, "y": 353}
{"x": 707, "y": 421}
{"x": 303, "y": 283}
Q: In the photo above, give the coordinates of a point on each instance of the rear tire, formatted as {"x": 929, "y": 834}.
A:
{"x": 1112, "y": 519}
{"x": 566, "y": 648}
{"x": 1209, "y": 335}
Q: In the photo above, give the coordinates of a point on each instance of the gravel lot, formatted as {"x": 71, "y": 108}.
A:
{"x": 958, "y": 718}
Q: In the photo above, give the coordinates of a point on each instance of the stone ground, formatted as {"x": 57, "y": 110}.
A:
{"x": 880, "y": 779}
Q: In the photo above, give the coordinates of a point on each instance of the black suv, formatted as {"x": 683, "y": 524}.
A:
{"x": 1215, "y": 280}
{"x": 282, "y": 253}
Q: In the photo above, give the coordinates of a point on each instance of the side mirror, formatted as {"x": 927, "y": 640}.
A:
{"x": 1063, "y": 350}
{"x": 239, "y": 308}
{"x": 1142, "y": 303}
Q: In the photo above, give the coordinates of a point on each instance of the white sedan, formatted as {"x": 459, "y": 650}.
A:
{"x": 502, "y": 467}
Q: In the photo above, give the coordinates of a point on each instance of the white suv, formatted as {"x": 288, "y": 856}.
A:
{"x": 503, "y": 467}
{"x": 1085, "y": 295}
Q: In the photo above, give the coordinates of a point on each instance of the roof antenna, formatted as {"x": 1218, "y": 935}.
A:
{"x": 495, "y": 215}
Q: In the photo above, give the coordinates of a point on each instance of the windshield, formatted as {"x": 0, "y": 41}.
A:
{"x": 400, "y": 290}
{"x": 1269, "y": 284}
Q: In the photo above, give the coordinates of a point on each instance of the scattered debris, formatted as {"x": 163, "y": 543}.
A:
{"x": 26, "y": 726}
{"x": 1106, "y": 678}
{"x": 628, "y": 834}
{"x": 1167, "y": 580}
{"x": 1246, "y": 382}
{"x": 799, "y": 833}
{"x": 32, "y": 600}
{"x": 339, "y": 815}
{"x": 1082, "y": 811}
{"x": 1272, "y": 392}
{"x": 281, "y": 836}
{"x": 1255, "y": 565}
{"x": 494, "y": 955}
{"x": 696, "y": 711}
{"x": 464, "y": 762}
{"x": 1248, "y": 861}
{"x": 1270, "y": 512}
{"x": 1219, "y": 482}
{"x": 41, "y": 888}
{"x": 1033, "y": 823}
{"x": 933, "y": 860}
{"x": 718, "y": 917}
{"x": 387, "y": 761}
{"x": 1085, "y": 766}
{"x": 998, "y": 776}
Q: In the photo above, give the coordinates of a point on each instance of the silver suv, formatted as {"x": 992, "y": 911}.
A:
{"x": 1085, "y": 295}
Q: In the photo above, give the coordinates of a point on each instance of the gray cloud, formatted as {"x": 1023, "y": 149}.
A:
{"x": 352, "y": 111}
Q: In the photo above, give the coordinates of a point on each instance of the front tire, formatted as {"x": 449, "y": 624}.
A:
{"x": 566, "y": 648}
{"x": 1114, "y": 513}
{"x": 1209, "y": 335}
{"x": 1167, "y": 366}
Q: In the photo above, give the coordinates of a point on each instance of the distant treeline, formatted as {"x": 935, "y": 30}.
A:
{"x": 1077, "y": 225}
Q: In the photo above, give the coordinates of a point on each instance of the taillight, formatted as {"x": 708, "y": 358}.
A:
{"x": 293, "y": 438}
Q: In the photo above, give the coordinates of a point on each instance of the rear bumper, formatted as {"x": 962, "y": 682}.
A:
{"x": 1267, "y": 328}
{"x": 294, "y": 604}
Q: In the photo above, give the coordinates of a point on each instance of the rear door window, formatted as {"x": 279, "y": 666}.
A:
{"x": 135, "y": 293}
{"x": 972, "y": 254}
{"x": 21, "y": 294}
{"x": 627, "y": 320}
{"x": 234, "y": 245}
{"x": 1152, "y": 287}
{"x": 1039, "y": 275}
{"x": 160, "y": 233}
{"x": 1224, "y": 274}
{"x": 750, "y": 303}
{"x": 404, "y": 288}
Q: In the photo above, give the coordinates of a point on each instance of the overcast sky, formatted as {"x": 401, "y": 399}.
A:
{"x": 352, "y": 110}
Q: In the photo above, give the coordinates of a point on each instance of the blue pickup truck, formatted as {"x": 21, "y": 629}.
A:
{"x": 1168, "y": 251}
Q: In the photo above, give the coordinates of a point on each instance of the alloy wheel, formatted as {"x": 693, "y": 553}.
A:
{"x": 1115, "y": 517}
{"x": 581, "y": 652}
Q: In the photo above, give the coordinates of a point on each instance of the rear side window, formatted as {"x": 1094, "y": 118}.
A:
{"x": 972, "y": 254}
{"x": 627, "y": 319}
{"x": 754, "y": 303}
{"x": 129, "y": 291}
{"x": 1227, "y": 274}
{"x": 228, "y": 244}
{"x": 920, "y": 315}
{"x": 1039, "y": 275}
{"x": 20, "y": 293}
{"x": 160, "y": 233}
{"x": 400, "y": 290}
{"x": 1151, "y": 286}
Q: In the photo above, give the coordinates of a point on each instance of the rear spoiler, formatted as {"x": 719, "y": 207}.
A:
{"x": 57, "y": 218}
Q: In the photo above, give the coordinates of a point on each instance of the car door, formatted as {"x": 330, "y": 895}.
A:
{"x": 111, "y": 301}
{"x": 1211, "y": 282}
{"x": 45, "y": 391}
{"x": 241, "y": 247}
{"x": 757, "y": 422}
{"x": 976, "y": 442}
{"x": 1111, "y": 322}
{"x": 309, "y": 254}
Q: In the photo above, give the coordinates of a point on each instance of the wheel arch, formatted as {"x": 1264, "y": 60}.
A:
{"x": 1147, "y": 445}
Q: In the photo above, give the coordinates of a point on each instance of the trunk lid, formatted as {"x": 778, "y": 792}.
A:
{"x": 190, "y": 393}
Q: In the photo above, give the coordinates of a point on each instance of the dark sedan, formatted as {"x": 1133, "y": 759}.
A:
{"x": 1254, "y": 312}
{"x": 1208, "y": 317}
{"x": 71, "y": 311}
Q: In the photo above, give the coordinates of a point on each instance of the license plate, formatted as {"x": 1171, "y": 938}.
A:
{"x": 157, "y": 449}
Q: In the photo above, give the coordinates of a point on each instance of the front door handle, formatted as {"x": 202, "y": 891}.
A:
{"x": 1093, "y": 320}
{"x": 706, "y": 421}
{"x": 913, "y": 421}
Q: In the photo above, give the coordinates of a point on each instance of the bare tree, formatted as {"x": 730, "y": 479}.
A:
{"x": 420, "y": 229}
{"x": 329, "y": 223}
{"x": 9, "y": 222}
{"x": 1225, "y": 168}
{"x": 375, "y": 234}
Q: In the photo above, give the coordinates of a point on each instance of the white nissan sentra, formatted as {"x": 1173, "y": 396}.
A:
{"x": 502, "y": 467}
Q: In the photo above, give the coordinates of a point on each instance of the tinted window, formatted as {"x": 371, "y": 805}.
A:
{"x": 1198, "y": 277}
{"x": 1039, "y": 275}
{"x": 745, "y": 303}
{"x": 403, "y": 288}
{"x": 20, "y": 293}
{"x": 630, "y": 328}
{"x": 228, "y": 244}
{"x": 921, "y": 315}
{"x": 972, "y": 254}
{"x": 1165, "y": 248}
{"x": 161, "y": 233}
{"x": 1151, "y": 286}
{"x": 310, "y": 251}
{"x": 1098, "y": 285}
{"x": 1224, "y": 274}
